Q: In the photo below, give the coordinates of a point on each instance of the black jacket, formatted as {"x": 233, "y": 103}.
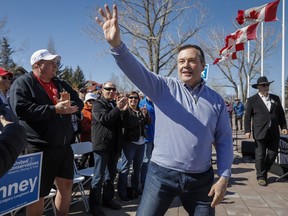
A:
{"x": 256, "y": 109}
{"x": 134, "y": 124}
{"x": 12, "y": 143}
{"x": 36, "y": 111}
{"x": 106, "y": 126}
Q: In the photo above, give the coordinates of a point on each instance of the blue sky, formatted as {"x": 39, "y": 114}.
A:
{"x": 32, "y": 23}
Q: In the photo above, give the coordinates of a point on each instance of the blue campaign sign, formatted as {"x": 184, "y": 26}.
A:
{"x": 204, "y": 74}
{"x": 20, "y": 185}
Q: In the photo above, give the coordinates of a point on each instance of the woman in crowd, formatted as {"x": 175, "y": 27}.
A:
{"x": 134, "y": 120}
{"x": 86, "y": 128}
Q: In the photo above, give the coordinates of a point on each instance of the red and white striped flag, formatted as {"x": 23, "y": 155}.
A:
{"x": 242, "y": 35}
{"x": 232, "y": 49}
{"x": 229, "y": 56}
{"x": 264, "y": 13}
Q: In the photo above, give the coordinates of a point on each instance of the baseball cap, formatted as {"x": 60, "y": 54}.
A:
{"x": 43, "y": 54}
{"x": 4, "y": 72}
{"x": 90, "y": 96}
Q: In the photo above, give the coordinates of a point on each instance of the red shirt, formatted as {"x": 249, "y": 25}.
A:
{"x": 49, "y": 87}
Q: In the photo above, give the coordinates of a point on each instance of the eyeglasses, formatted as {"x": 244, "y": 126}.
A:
{"x": 6, "y": 77}
{"x": 133, "y": 97}
{"x": 109, "y": 89}
{"x": 264, "y": 85}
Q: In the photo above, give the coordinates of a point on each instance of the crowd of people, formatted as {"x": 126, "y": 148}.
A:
{"x": 153, "y": 141}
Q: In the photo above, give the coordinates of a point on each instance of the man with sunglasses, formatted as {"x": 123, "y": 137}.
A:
{"x": 105, "y": 136}
{"x": 267, "y": 113}
{"x": 190, "y": 119}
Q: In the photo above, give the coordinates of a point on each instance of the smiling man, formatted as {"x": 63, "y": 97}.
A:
{"x": 44, "y": 104}
{"x": 190, "y": 119}
{"x": 105, "y": 136}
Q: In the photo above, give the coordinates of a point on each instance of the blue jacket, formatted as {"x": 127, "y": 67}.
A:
{"x": 150, "y": 128}
{"x": 238, "y": 109}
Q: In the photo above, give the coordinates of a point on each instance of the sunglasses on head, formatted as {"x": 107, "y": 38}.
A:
{"x": 6, "y": 77}
{"x": 109, "y": 88}
{"x": 264, "y": 85}
{"x": 133, "y": 97}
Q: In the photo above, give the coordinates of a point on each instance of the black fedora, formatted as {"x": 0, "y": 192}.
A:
{"x": 261, "y": 80}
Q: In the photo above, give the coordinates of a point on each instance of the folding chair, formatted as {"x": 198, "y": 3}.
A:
{"x": 48, "y": 203}
{"x": 86, "y": 174}
{"x": 78, "y": 179}
{"x": 79, "y": 149}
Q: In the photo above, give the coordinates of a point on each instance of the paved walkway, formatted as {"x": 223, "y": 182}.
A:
{"x": 244, "y": 196}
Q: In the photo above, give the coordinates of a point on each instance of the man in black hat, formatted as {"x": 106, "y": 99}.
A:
{"x": 268, "y": 115}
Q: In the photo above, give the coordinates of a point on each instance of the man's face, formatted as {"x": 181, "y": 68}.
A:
{"x": 48, "y": 68}
{"x": 190, "y": 66}
{"x": 263, "y": 88}
{"x": 109, "y": 91}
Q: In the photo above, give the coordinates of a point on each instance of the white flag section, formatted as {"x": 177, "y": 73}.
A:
{"x": 229, "y": 56}
{"x": 232, "y": 49}
{"x": 264, "y": 13}
{"x": 242, "y": 35}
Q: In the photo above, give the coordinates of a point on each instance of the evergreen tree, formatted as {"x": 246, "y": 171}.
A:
{"x": 67, "y": 75}
{"x": 5, "y": 55}
{"x": 78, "y": 78}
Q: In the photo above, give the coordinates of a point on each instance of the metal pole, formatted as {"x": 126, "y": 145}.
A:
{"x": 262, "y": 49}
{"x": 283, "y": 55}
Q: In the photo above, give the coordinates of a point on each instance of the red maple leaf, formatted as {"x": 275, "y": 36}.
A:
{"x": 254, "y": 14}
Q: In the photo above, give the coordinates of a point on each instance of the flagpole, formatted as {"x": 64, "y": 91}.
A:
{"x": 283, "y": 55}
{"x": 248, "y": 76}
{"x": 262, "y": 48}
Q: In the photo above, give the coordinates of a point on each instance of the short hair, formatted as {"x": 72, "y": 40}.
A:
{"x": 133, "y": 93}
{"x": 201, "y": 53}
{"x": 108, "y": 82}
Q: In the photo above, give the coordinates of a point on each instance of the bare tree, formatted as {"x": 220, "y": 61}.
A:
{"x": 124, "y": 85}
{"x": 237, "y": 72}
{"x": 51, "y": 46}
{"x": 3, "y": 22}
{"x": 155, "y": 29}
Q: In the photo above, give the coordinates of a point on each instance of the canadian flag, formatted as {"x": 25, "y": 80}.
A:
{"x": 229, "y": 56}
{"x": 232, "y": 49}
{"x": 264, "y": 13}
{"x": 242, "y": 35}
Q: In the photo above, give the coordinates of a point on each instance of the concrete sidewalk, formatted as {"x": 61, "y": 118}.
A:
{"x": 244, "y": 195}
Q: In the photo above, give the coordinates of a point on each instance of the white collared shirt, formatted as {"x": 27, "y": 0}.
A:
{"x": 266, "y": 100}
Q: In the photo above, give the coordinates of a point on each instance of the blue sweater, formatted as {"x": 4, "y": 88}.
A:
{"x": 186, "y": 127}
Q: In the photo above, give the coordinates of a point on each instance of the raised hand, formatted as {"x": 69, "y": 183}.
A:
{"x": 64, "y": 106}
{"x": 144, "y": 110}
{"x": 110, "y": 25}
{"x": 122, "y": 103}
{"x": 64, "y": 96}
